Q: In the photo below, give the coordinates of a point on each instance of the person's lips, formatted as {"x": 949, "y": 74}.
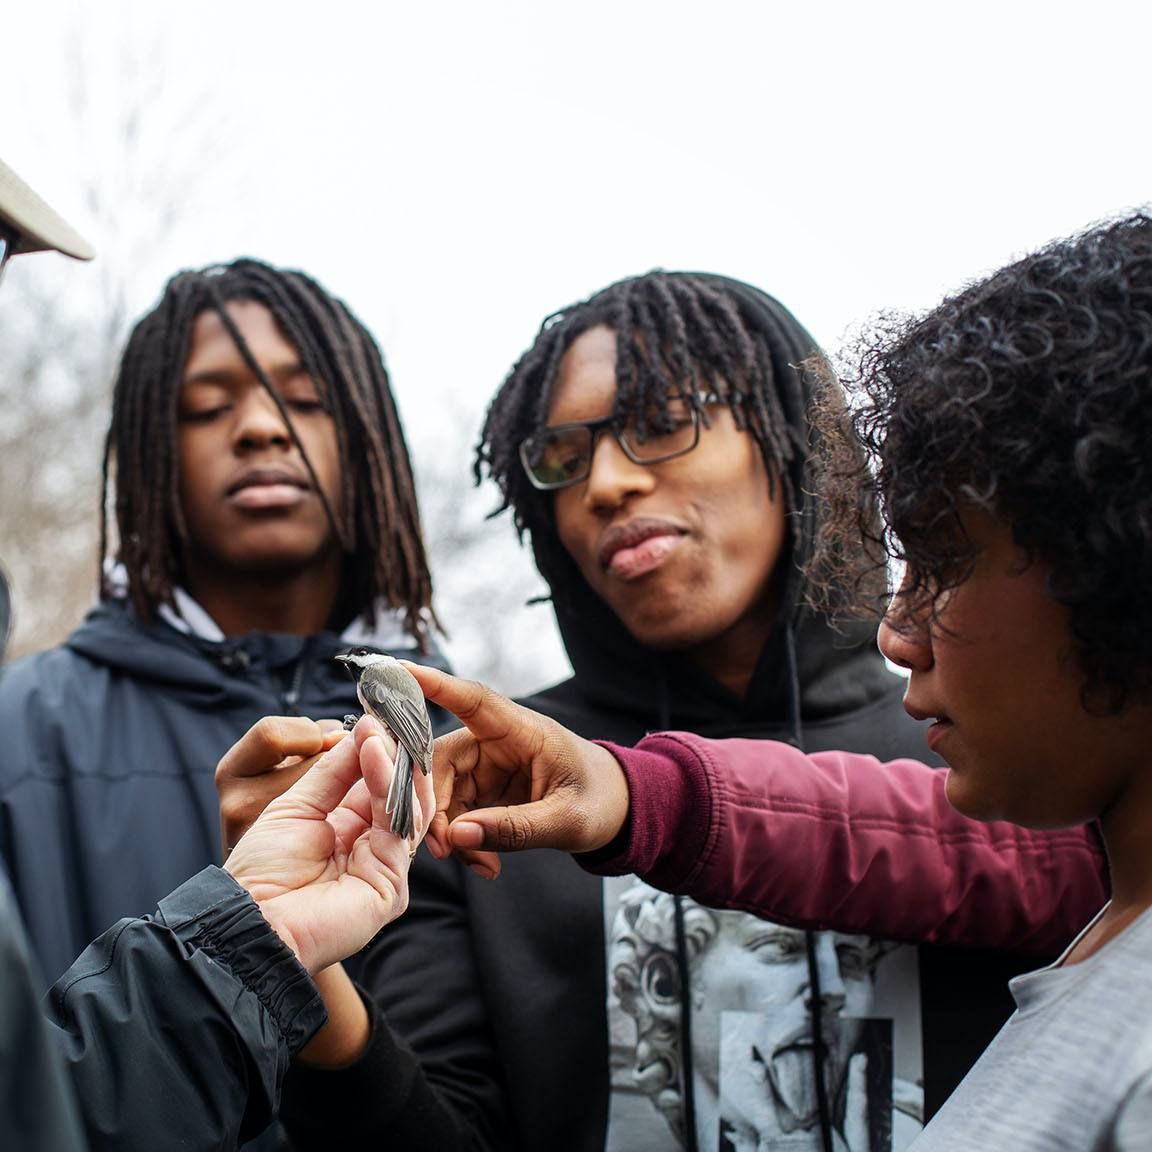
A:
{"x": 634, "y": 549}
{"x": 938, "y": 729}
{"x": 260, "y": 488}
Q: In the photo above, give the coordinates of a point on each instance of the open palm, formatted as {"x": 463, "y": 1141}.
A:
{"x": 322, "y": 862}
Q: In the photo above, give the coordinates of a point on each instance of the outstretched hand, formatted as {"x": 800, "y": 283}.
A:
{"x": 513, "y": 779}
{"x": 322, "y": 861}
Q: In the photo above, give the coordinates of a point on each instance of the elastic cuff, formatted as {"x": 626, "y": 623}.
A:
{"x": 212, "y": 913}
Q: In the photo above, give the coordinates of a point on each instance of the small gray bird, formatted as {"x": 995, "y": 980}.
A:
{"x": 388, "y": 692}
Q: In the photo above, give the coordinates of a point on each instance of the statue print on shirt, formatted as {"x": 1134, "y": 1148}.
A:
{"x": 752, "y": 1019}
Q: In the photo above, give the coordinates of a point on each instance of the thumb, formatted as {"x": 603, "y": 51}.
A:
{"x": 585, "y": 808}
{"x": 549, "y": 823}
{"x": 322, "y": 788}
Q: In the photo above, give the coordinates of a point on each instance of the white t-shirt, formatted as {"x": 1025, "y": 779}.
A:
{"x": 1072, "y": 1068}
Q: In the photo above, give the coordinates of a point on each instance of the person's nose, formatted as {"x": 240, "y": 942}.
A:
{"x": 905, "y": 635}
{"x": 259, "y": 423}
{"x": 612, "y": 477}
{"x": 832, "y": 991}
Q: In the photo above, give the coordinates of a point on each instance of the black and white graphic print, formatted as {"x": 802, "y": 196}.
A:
{"x": 753, "y": 1018}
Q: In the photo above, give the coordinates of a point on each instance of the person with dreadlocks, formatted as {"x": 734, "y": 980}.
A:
{"x": 265, "y": 519}
{"x": 175, "y": 1028}
{"x": 1005, "y": 438}
{"x": 654, "y": 443}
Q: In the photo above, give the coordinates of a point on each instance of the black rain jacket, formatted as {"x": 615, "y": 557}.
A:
{"x": 170, "y": 1031}
{"x": 107, "y": 793}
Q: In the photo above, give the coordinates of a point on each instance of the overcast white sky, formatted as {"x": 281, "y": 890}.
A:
{"x": 457, "y": 170}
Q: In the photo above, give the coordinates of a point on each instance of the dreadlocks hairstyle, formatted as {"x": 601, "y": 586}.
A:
{"x": 380, "y": 529}
{"x": 677, "y": 333}
{"x": 1028, "y": 395}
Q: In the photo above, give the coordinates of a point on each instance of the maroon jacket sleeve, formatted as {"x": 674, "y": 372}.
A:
{"x": 840, "y": 840}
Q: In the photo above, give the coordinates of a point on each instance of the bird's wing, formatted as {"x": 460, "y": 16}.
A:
{"x": 409, "y": 722}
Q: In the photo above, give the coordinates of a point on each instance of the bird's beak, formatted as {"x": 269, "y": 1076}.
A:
{"x": 344, "y": 659}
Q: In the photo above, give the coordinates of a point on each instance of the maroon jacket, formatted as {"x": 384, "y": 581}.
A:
{"x": 824, "y": 840}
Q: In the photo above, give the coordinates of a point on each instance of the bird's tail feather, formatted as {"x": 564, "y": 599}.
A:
{"x": 399, "y": 801}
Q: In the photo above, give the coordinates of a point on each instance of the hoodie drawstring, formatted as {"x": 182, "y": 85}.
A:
{"x": 687, "y": 1077}
{"x": 819, "y": 1054}
{"x": 819, "y": 1051}
{"x": 688, "y": 1085}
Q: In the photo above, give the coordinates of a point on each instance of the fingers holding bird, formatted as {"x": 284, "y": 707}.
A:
{"x": 379, "y": 756}
{"x": 263, "y": 764}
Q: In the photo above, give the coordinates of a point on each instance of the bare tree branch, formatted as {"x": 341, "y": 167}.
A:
{"x": 484, "y": 578}
{"x": 62, "y": 324}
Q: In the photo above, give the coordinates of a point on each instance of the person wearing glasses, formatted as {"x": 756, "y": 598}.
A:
{"x": 175, "y": 1029}
{"x": 653, "y": 443}
{"x": 1005, "y": 437}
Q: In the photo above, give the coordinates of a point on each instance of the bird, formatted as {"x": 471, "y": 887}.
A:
{"x": 388, "y": 692}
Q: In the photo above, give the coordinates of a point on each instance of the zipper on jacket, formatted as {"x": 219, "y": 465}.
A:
{"x": 290, "y": 690}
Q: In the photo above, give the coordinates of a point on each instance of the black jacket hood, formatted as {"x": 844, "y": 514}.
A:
{"x": 204, "y": 671}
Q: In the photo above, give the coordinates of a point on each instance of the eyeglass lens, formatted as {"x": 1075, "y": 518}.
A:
{"x": 562, "y": 455}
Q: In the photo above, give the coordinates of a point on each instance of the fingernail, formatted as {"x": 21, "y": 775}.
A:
{"x": 465, "y": 834}
{"x": 483, "y": 871}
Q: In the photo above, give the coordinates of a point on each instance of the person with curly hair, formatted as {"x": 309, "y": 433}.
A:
{"x": 1005, "y": 442}
{"x": 654, "y": 443}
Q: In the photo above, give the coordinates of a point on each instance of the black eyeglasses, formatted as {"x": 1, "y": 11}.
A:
{"x": 561, "y": 456}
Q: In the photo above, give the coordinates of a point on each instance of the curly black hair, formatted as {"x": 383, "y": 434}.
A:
{"x": 380, "y": 531}
{"x": 1029, "y": 395}
{"x": 689, "y": 333}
